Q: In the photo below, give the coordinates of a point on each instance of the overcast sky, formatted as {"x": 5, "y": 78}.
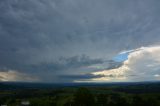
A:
{"x": 79, "y": 40}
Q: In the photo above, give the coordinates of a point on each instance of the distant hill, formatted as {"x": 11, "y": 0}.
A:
{"x": 117, "y": 86}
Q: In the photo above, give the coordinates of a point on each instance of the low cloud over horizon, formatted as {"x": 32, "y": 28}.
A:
{"x": 79, "y": 41}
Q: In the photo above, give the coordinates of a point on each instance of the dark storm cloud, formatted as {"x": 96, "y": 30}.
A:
{"x": 35, "y": 34}
{"x": 80, "y": 77}
{"x": 64, "y": 64}
{"x": 112, "y": 64}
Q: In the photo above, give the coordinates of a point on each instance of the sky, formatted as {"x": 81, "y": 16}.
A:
{"x": 61, "y": 41}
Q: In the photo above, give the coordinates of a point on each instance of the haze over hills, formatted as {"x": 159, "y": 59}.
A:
{"x": 27, "y": 85}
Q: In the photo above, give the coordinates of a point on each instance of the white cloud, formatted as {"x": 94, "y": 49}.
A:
{"x": 130, "y": 51}
{"x": 12, "y": 75}
{"x": 143, "y": 64}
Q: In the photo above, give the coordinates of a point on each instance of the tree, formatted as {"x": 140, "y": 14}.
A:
{"x": 117, "y": 100}
{"x": 102, "y": 100}
{"x": 83, "y": 97}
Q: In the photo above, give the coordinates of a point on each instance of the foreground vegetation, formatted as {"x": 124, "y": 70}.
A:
{"x": 115, "y": 95}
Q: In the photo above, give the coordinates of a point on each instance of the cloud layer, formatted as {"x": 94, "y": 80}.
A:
{"x": 142, "y": 65}
{"x": 53, "y": 38}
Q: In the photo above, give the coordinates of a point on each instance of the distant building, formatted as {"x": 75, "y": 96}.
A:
{"x": 25, "y": 103}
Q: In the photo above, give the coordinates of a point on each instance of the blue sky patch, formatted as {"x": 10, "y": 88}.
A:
{"x": 121, "y": 57}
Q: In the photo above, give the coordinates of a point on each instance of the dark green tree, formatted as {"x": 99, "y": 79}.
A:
{"x": 102, "y": 100}
{"x": 117, "y": 100}
{"x": 83, "y": 97}
{"x": 138, "y": 101}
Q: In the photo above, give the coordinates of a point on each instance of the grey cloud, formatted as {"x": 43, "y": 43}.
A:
{"x": 80, "y": 77}
{"x": 34, "y": 35}
{"x": 113, "y": 65}
{"x": 64, "y": 64}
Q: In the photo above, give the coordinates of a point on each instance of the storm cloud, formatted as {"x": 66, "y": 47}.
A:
{"x": 52, "y": 38}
